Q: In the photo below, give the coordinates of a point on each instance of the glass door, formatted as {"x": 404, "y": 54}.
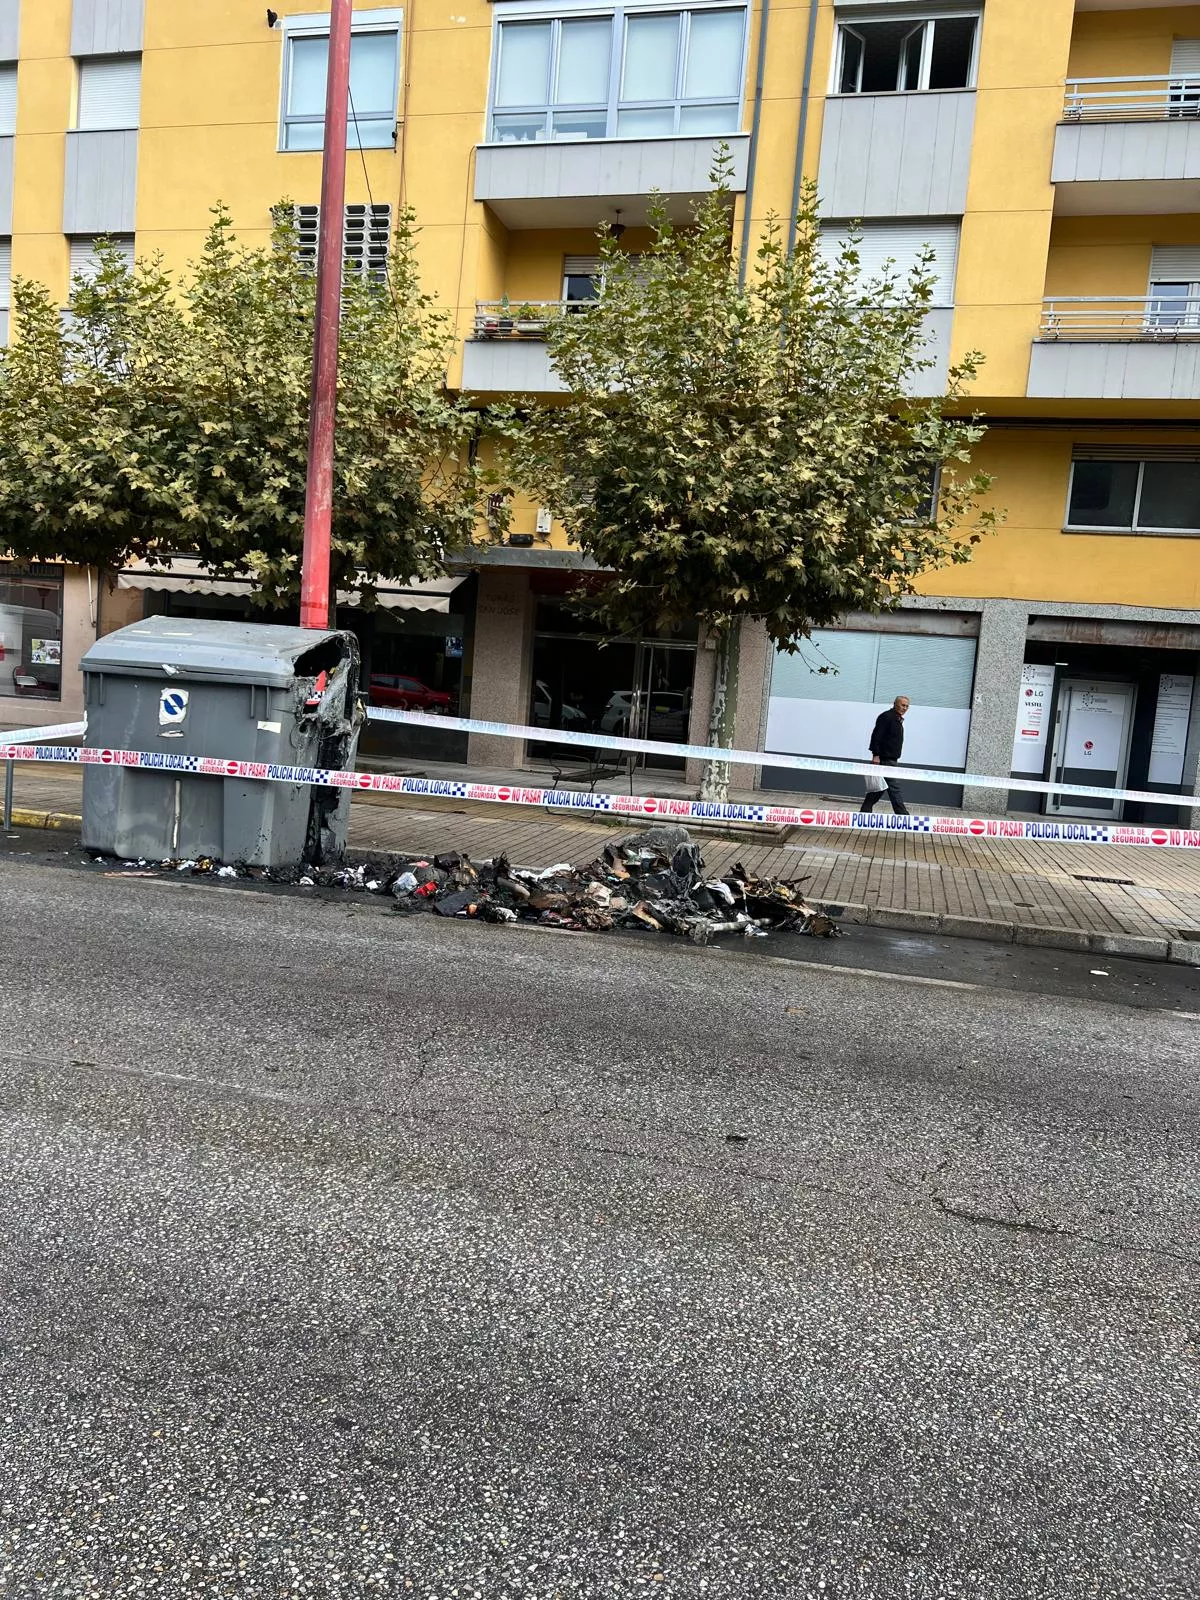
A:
{"x": 662, "y": 701}
{"x": 1091, "y": 745}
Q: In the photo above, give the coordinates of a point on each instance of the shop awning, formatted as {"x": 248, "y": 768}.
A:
{"x": 186, "y": 575}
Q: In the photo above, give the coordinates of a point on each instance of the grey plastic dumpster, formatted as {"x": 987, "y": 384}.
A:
{"x": 234, "y": 690}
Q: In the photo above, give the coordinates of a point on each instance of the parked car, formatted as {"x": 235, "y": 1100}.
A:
{"x": 573, "y": 718}
{"x": 665, "y": 714}
{"x": 406, "y": 694}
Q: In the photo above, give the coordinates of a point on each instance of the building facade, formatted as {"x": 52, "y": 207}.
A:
{"x": 1048, "y": 150}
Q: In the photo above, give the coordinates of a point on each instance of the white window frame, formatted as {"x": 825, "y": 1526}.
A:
{"x": 847, "y": 24}
{"x": 617, "y": 13}
{"x": 315, "y": 25}
{"x": 1134, "y": 531}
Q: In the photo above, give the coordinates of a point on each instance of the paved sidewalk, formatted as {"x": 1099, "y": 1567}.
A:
{"x": 1108, "y": 898}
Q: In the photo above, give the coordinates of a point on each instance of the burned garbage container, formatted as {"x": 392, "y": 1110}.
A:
{"x": 233, "y": 690}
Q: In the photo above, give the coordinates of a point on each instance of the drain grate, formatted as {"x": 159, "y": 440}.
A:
{"x": 1087, "y": 877}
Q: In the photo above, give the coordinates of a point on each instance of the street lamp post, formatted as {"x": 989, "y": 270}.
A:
{"x": 318, "y": 496}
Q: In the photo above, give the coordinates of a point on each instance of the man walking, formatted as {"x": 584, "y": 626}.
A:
{"x": 887, "y": 743}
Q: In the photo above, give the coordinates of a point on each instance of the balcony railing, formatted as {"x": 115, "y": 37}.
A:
{"x": 525, "y": 319}
{"x": 1143, "y": 99}
{"x": 1121, "y": 318}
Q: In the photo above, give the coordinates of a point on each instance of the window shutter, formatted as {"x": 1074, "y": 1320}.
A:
{"x": 901, "y": 243}
{"x": 110, "y": 91}
{"x": 1185, "y": 57}
{"x": 366, "y": 237}
{"x": 581, "y": 266}
{"x": 83, "y": 253}
{"x": 8, "y": 100}
{"x": 1175, "y": 263}
{"x": 5, "y": 274}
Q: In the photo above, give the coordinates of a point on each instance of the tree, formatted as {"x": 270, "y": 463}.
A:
{"x": 169, "y": 413}
{"x": 736, "y": 451}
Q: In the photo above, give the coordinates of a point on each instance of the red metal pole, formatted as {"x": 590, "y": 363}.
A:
{"x": 318, "y": 497}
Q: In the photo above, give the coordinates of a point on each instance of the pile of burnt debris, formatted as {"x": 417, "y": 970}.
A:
{"x": 656, "y": 879}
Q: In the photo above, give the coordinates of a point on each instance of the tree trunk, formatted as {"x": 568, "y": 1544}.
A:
{"x": 714, "y": 785}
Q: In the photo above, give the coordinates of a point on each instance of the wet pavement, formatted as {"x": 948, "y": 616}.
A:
{"x": 354, "y": 1254}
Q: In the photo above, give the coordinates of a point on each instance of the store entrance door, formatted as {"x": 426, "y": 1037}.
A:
{"x": 662, "y": 699}
{"x": 1092, "y": 730}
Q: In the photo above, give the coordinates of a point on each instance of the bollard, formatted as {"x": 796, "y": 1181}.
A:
{"x": 8, "y": 794}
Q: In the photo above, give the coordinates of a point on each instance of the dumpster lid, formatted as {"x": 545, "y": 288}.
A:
{"x": 240, "y": 652}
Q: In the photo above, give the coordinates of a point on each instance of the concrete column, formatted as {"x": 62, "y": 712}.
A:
{"x": 754, "y": 683}
{"x": 754, "y": 660}
{"x": 998, "y": 662}
{"x": 501, "y": 664}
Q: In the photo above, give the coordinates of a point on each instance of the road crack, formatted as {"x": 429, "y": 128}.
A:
{"x": 984, "y": 1219}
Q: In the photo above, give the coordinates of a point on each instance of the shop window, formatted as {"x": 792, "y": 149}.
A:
{"x": 624, "y": 73}
{"x": 374, "y": 81}
{"x": 906, "y": 54}
{"x": 31, "y": 630}
{"x": 1127, "y": 495}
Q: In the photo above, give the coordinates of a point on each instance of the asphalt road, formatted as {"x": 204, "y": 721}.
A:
{"x": 345, "y": 1254}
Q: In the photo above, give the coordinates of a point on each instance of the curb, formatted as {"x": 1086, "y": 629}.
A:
{"x": 43, "y": 819}
{"x": 1143, "y": 947}
{"x": 1036, "y": 935}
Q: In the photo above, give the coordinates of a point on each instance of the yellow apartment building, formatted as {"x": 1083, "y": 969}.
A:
{"x": 1048, "y": 150}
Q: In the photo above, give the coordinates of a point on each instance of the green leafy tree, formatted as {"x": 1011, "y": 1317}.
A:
{"x": 735, "y": 450}
{"x": 169, "y": 413}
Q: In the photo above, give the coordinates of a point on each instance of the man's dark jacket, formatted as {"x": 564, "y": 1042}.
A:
{"x": 887, "y": 741}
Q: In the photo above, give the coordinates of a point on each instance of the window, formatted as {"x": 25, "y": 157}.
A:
{"x": 110, "y": 92}
{"x": 31, "y": 626}
{"x": 8, "y": 100}
{"x": 84, "y": 261}
{"x": 5, "y": 287}
{"x": 1184, "y": 95}
{"x": 366, "y": 238}
{"x": 1174, "y": 288}
{"x": 894, "y": 248}
{"x": 374, "y": 81}
{"x": 583, "y": 278}
{"x": 1158, "y": 494}
{"x": 905, "y": 54}
{"x": 628, "y": 74}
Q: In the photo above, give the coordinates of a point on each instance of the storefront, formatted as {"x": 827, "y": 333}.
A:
{"x": 585, "y": 680}
{"x": 414, "y": 643}
{"x": 1097, "y": 707}
{"x": 31, "y": 630}
{"x": 824, "y": 699}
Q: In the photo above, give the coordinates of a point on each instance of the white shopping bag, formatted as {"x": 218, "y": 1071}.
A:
{"x": 875, "y": 782}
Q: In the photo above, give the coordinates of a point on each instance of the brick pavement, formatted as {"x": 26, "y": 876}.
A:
{"x": 1020, "y": 886}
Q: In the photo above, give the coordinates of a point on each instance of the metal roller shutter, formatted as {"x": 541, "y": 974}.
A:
{"x": 83, "y": 253}
{"x": 900, "y": 243}
{"x": 8, "y": 100}
{"x": 110, "y": 92}
{"x": 5, "y": 274}
{"x": 1175, "y": 263}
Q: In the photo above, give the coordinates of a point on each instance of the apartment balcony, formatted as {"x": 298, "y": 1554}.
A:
{"x": 1128, "y": 146}
{"x": 579, "y": 183}
{"x": 507, "y": 352}
{"x": 1120, "y": 348}
{"x": 896, "y": 155}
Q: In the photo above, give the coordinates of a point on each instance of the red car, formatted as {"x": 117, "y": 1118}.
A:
{"x": 406, "y": 694}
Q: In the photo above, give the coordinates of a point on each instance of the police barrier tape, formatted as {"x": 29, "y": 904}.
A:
{"x": 53, "y": 730}
{"x": 762, "y": 758}
{"x": 633, "y": 805}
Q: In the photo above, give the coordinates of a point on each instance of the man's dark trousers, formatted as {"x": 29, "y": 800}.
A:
{"x": 894, "y": 794}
